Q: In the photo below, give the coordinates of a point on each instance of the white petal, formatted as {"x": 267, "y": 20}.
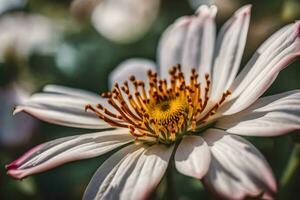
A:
{"x": 170, "y": 46}
{"x": 199, "y": 44}
{"x": 190, "y": 42}
{"x": 59, "y": 100}
{"x": 64, "y": 110}
{"x": 262, "y": 69}
{"x": 131, "y": 173}
{"x": 268, "y": 116}
{"x": 65, "y": 106}
{"x": 57, "y": 152}
{"x": 152, "y": 166}
{"x": 83, "y": 94}
{"x": 135, "y": 66}
{"x": 106, "y": 173}
{"x": 229, "y": 50}
{"x": 192, "y": 157}
{"x": 237, "y": 168}
{"x": 63, "y": 117}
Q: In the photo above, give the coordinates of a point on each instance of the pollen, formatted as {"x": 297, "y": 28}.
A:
{"x": 162, "y": 111}
{"x": 168, "y": 110}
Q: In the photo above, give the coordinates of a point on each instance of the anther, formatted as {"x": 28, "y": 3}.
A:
{"x": 193, "y": 70}
{"x": 172, "y": 71}
{"x": 116, "y": 84}
{"x": 99, "y": 106}
{"x": 88, "y": 106}
{"x": 206, "y": 76}
{"x": 132, "y": 78}
{"x": 149, "y": 72}
{"x": 106, "y": 95}
{"x": 141, "y": 83}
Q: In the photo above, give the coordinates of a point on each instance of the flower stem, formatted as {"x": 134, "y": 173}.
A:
{"x": 170, "y": 186}
{"x": 290, "y": 170}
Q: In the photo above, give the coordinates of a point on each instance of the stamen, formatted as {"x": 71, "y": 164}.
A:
{"x": 164, "y": 112}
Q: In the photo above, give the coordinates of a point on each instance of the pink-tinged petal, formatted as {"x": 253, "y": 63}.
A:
{"x": 57, "y": 152}
{"x": 269, "y": 116}
{"x": 15, "y": 164}
{"x": 262, "y": 69}
{"x": 131, "y": 173}
{"x": 192, "y": 157}
{"x": 170, "y": 46}
{"x": 229, "y": 50}
{"x": 65, "y": 107}
{"x": 198, "y": 47}
{"x": 237, "y": 169}
{"x": 135, "y": 66}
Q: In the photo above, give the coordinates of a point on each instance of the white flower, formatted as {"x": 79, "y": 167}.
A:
{"x": 200, "y": 108}
{"x": 124, "y": 21}
{"x": 24, "y": 34}
{"x": 121, "y": 21}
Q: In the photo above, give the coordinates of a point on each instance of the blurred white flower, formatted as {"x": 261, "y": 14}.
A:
{"x": 14, "y": 130}
{"x": 23, "y": 34}
{"x": 124, "y": 21}
{"x": 6, "y": 5}
{"x": 121, "y": 21}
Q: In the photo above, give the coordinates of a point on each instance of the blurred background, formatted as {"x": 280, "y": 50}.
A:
{"x": 64, "y": 42}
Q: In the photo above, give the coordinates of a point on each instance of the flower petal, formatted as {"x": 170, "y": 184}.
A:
{"x": 229, "y": 50}
{"x": 268, "y": 116}
{"x": 170, "y": 47}
{"x": 57, "y": 152}
{"x": 135, "y": 66}
{"x": 237, "y": 168}
{"x": 262, "y": 69}
{"x": 74, "y": 92}
{"x": 65, "y": 107}
{"x": 192, "y": 157}
{"x": 198, "y": 47}
{"x": 82, "y": 96}
{"x": 131, "y": 173}
{"x": 190, "y": 42}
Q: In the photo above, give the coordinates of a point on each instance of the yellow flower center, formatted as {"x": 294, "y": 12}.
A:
{"x": 168, "y": 111}
{"x": 162, "y": 113}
